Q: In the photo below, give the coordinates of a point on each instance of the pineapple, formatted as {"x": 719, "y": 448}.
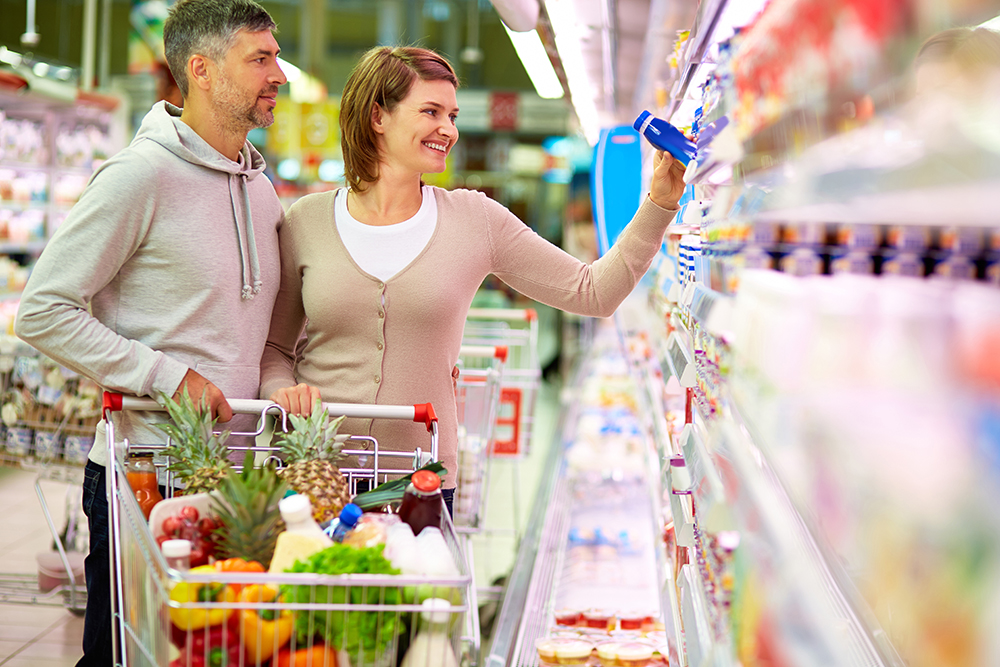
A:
{"x": 311, "y": 453}
{"x": 247, "y": 510}
{"x": 198, "y": 456}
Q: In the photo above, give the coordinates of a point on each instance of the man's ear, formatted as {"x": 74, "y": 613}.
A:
{"x": 200, "y": 71}
{"x": 377, "y": 118}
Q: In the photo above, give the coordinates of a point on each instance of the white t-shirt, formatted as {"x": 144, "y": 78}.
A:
{"x": 384, "y": 251}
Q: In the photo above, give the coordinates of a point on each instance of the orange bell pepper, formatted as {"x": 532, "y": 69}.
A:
{"x": 317, "y": 655}
{"x": 264, "y": 630}
{"x": 238, "y": 565}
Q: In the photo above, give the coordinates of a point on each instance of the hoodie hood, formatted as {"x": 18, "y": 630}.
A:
{"x": 164, "y": 126}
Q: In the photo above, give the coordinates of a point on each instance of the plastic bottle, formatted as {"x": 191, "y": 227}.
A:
{"x": 422, "y": 503}
{"x": 435, "y": 556}
{"x": 432, "y": 646}
{"x": 302, "y": 537}
{"x": 141, "y": 475}
{"x": 177, "y": 554}
{"x": 345, "y": 523}
{"x": 665, "y": 137}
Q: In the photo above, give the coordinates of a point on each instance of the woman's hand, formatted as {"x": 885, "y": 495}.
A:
{"x": 668, "y": 180}
{"x": 297, "y": 400}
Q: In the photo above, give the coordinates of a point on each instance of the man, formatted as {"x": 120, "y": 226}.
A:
{"x": 173, "y": 248}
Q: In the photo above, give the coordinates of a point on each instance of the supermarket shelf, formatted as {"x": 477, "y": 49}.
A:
{"x": 706, "y": 488}
{"x": 700, "y": 643}
{"x": 678, "y": 360}
{"x": 827, "y": 623}
{"x": 707, "y": 18}
{"x": 974, "y": 204}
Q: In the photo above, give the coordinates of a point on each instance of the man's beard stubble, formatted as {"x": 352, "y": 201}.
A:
{"x": 238, "y": 114}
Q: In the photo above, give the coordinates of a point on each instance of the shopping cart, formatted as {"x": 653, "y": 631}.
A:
{"x": 375, "y": 616}
{"x": 517, "y": 330}
{"x": 477, "y": 394}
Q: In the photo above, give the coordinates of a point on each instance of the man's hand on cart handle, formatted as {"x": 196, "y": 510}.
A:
{"x": 198, "y": 386}
{"x": 297, "y": 400}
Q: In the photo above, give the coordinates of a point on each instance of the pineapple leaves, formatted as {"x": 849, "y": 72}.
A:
{"x": 197, "y": 454}
{"x": 247, "y": 508}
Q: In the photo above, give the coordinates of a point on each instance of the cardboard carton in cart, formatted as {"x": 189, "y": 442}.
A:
{"x": 164, "y": 616}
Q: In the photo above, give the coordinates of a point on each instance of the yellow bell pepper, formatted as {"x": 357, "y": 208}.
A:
{"x": 199, "y": 619}
{"x": 264, "y": 630}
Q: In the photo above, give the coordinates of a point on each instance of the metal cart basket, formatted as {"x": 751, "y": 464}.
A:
{"x": 376, "y": 618}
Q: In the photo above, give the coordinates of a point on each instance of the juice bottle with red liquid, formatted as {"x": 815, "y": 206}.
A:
{"x": 141, "y": 475}
{"x": 422, "y": 501}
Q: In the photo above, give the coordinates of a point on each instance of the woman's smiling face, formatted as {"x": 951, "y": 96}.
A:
{"x": 420, "y": 132}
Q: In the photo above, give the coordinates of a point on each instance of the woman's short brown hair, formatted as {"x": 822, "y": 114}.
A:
{"x": 383, "y": 76}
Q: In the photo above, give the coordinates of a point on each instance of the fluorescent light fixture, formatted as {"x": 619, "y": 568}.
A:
{"x": 292, "y": 73}
{"x": 567, "y": 32}
{"x": 536, "y": 63}
{"x": 992, "y": 24}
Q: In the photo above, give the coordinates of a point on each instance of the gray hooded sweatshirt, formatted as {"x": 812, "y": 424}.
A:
{"x": 168, "y": 261}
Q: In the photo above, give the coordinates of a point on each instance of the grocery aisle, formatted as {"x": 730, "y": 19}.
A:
{"x": 32, "y": 635}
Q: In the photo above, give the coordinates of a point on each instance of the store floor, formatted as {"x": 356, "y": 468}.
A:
{"x": 50, "y": 636}
{"x": 32, "y": 635}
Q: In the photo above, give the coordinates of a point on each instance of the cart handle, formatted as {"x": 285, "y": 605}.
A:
{"x": 507, "y": 314}
{"x": 484, "y": 351}
{"x": 421, "y": 413}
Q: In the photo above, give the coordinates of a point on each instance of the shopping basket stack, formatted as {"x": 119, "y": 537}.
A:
{"x": 349, "y": 620}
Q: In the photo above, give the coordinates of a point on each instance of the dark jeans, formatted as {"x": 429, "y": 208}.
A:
{"x": 449, "y": 500}
{"x": 97, "y": 622}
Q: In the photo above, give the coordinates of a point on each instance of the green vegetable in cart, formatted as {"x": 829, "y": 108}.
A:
{"x": 367, "y": 633}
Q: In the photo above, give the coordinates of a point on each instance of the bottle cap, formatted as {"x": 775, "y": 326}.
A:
{"x": 350, "y": 514}
{"x": 426, "y": 481}
{"x": 435, "y": 610}
{"x": 295, "y": 508}
{"x": 176, "y": 548}
{"x": 639, "y": 121}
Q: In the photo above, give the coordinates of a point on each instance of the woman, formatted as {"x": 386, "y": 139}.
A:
{"x": 382, "y": 273}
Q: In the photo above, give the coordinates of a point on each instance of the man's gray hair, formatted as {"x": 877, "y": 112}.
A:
{"x": 207, "y": 28}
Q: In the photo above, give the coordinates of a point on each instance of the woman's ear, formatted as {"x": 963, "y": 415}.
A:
{"x": 377, "y": 118}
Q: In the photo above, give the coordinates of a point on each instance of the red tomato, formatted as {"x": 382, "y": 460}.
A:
{"x": 171, "y": 525}
{"x": 189, "y": 513}
{"x": 161, "y": 539}
{"x": 206, "y": 525}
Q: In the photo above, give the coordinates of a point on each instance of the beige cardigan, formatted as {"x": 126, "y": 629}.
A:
{"x": 396, "y": 342}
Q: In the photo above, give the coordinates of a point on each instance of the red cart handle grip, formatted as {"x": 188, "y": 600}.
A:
{"x": 424, "y": 412}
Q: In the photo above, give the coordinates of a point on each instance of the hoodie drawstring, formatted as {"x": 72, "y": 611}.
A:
{"x": 253, "y": 283}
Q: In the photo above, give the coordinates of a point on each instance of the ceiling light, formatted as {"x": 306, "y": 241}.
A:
{"x": 536, "y": 63}
{"x": 992, "y": 24}
{"x": 567, "y": 34}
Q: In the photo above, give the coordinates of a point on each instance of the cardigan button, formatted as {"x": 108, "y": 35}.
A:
{"x": 381, "y": 285}
{"x": 381, "y": 313}
{"x": 380, "y": 346}
{"x": 377, "y": 379}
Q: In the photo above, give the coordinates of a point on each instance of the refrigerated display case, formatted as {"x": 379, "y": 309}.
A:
{"x": 825, "y": 318}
